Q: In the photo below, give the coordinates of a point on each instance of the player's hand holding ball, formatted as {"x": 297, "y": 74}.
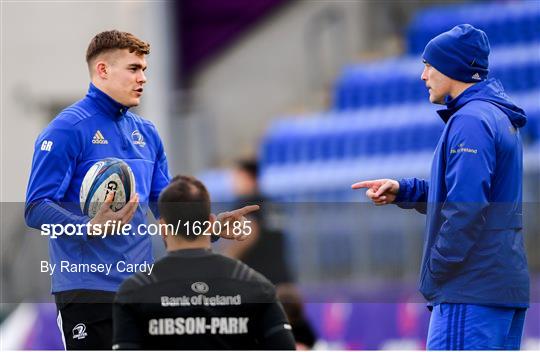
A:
{"x": 381, "y": 192}
{"x": 108, "y": 197}
{"x": 107, "y": 221}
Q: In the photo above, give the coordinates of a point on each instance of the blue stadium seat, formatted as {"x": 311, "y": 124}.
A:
{"x": 397, "y": 80}
{"x": 381, "y": 122}
{"x": 329, "y": 137}
{"x": 504, "y": 22}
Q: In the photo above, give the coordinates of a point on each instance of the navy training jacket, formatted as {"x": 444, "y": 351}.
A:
{"x": 473, "y": 247}
{"x": 94, "y": 128}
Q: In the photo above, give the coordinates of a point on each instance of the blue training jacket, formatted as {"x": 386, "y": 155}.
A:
{"x": 473, "y": 247}
{"x": 95, "y": 128}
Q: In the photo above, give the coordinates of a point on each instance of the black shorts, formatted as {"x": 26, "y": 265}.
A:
{"x": 85, "y": 319}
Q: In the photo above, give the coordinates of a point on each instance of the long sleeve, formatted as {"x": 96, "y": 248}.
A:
{"x": 412, "y": 194}
{"x": 160, "y": 178}
{"x": 55, "y": 157}
{"x": 276, "y": 332}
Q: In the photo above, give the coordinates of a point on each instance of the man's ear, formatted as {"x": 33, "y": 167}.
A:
{"x": 101, "y": 69}
{"x": 162, "y": 227}
{"x": 212, "y": 218}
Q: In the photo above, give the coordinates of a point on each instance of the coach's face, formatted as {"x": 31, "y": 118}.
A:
{"x": 437, "y": 83}
{"x": 125, "y": 77}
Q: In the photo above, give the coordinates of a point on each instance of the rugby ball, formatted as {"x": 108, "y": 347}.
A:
{"x": 105, "y": 176}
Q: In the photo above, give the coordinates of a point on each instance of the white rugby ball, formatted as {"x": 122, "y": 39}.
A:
{"x": 107, "y": 175}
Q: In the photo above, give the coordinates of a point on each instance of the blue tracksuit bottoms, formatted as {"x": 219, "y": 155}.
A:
{"x": 474, "y": 327}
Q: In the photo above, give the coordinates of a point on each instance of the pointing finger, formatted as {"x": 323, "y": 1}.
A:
{"x": 363, "y": 184}
{"x": 244, "y": 211}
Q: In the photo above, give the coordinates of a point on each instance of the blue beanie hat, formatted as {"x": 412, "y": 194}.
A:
{"x": 461, "y": 53}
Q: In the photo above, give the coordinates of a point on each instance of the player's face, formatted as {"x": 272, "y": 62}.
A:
{"x": 243, "y": 183}
{"x": 126, "y": 77}
{"x": 437, "y": 83}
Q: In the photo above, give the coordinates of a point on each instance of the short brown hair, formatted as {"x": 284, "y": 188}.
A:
{"x": 185, "y": 200}
{"x": 111, "y": 40}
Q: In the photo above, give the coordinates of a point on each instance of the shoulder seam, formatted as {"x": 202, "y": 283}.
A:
{"x": 250, "y": 274}
{"x": 70, "y": 111}
{"x": 237, "y": 267}
{"x": 78, "y": 108}
{"x": 245, "y": 270}
{"x": 74, "y": 112}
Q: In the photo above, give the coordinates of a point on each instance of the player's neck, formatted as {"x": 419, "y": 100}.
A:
{"x": 103, "y": 88}
{"x": 459, "y": 87}
{"x": 203, "y": 243}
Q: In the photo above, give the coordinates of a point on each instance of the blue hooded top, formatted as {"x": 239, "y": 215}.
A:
{"x": 94, "y": 128}
{"x": 473, "y": 247}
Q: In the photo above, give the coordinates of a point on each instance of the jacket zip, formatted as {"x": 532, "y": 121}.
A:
{"x": 121, "y": 132}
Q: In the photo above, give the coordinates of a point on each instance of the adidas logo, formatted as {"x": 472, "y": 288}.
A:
{"x": 99, "y": 139}
{"x": 476, "y": 76}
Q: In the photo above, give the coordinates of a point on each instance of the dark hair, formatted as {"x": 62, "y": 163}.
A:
{"x": 184, "y": 200}
{"x": 248, "y": 165}
{"x": 114, "y": 39}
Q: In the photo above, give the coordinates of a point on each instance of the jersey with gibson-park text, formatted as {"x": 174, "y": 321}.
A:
{"x": 195, "y": 299}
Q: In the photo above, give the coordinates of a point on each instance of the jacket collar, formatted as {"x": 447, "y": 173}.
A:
{"x": 110, "y": 106}
{"x": 190, "y": 252}
{"x": 453, "y": 105}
